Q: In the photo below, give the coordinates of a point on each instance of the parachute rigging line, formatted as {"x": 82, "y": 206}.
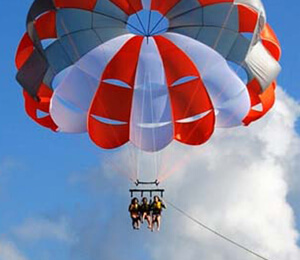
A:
{"x": 216, "y": 232}
{"x": 215, "y": 45}
{"x": 139, "y": 156}
{"x": 153, "y": 134}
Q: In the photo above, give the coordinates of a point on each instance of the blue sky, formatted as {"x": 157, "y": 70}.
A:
{"x": 39, "y": 170}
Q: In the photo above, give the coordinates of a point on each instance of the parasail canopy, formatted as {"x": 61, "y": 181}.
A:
{"x": 147, "y": 71}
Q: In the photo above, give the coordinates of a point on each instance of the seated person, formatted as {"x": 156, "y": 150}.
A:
{"x": 145, "y": 211}
{"x": 134, "y": 208}
{"x": 156, "y": 208}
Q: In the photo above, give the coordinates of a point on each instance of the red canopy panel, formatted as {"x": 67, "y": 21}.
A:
{"x": 266, "y": 99}
{"x": 188, "y": 99}
{"x": 86, "y": 4}
{"x": 271, "y": 42}
{"x": 129, "y": 6}
{"x": 114, "y": 102}
{"x": 32, "y": 107}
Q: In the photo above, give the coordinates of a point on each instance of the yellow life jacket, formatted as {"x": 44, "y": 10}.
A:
{"x": 135, "y": 208}
{"x": 157, "y": 205}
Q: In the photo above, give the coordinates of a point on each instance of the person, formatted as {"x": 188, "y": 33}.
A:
{"x": 157, "y": 207}
{"x": 145, "y": 212}
{"x": 134, "y": 210}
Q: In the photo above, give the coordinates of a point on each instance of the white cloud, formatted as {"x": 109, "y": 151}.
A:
{"x": 8, "y": 251}
{"x": 237, "y": 183}
{"x": 241, "y": 188}
{"x": 45, "y": 229}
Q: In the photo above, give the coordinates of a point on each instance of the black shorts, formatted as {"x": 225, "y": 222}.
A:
{"x": 156, "y": 213}
{"x": 147, "y": 213}
{"x": 137, "y": 217}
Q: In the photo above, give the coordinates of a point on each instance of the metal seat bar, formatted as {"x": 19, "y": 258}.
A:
{"x": 150, "y": 191}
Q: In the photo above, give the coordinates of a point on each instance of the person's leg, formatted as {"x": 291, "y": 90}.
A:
{"x": 158, "y": 219}
{"x": 144, "y": 216}
{"x": 138, "y": 223}
{"x": 154, "y": 220}
{"x": 133, "y": 223}
{"x": 148, "y": 218}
